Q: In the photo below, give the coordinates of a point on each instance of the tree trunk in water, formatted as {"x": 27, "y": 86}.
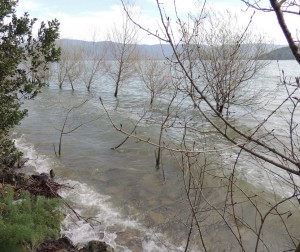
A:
{"x": 157, "y": 157}
{"x": 60, "y": 140}
{"x": 159, "y": 150}
{"x": 219, "y": 108}
{"x": 118, "y": 80}
{"x": 117, "y": 86}
{"x": 298, "y": 248}
{"x": 116, "y": 90}
{"x": 151, "y": 100}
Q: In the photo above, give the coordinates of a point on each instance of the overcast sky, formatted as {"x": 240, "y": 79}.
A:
{"x": 81, "y": 19}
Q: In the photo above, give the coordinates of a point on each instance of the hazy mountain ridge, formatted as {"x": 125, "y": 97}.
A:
{"x": 161, "y": 51}
{"x": 283, "y": 53}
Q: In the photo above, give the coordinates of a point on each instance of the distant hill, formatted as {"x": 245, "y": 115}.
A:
{"x": 161, "y": 51}
{"x": 283, "y": 53}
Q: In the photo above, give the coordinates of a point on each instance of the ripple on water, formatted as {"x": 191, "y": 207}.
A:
{"x": 108, "y": 224}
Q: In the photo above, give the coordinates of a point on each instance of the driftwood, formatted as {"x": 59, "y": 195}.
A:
{"x": 37, "y": 184}
{"x": 43, "y": 186}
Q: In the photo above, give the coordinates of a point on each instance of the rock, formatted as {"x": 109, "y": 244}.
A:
{"x": 62, "y": 244}
{"x": 96, "y": 246}
{"x": 52, "y": 174}
{"x": 40, "y": 177}
{"x": 44, "y": 176}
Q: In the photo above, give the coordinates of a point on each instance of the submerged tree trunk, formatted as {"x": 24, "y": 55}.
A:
{"x": 72, "y": 86}
{"x": 88, "y": 87}
{"x": 116, "y": 90}
{"x": 298, "y": 248}
{"x": 151, "y": 99}
{"x": 118, "y": 79}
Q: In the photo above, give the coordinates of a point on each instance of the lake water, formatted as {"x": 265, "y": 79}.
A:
{"x": 138, "y": 207}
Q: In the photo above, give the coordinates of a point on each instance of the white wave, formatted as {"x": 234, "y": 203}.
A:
{"x": 41, "y": 163}
{"x": 111, "y": 222}
{"x": 107, "y": 222}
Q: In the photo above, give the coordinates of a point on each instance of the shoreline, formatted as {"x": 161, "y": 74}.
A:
{"x": 23, "y": 178}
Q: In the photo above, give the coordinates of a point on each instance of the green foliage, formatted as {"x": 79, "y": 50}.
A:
{"x": 24, "y": 60}
{"x": 27, "y": 219}
{"x": 9, "y": 155}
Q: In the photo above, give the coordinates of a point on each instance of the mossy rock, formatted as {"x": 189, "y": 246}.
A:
{"x": 97, "y": 246}
{"x": 61, "y": 244}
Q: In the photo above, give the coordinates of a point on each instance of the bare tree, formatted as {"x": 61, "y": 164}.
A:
{"x": 122, "y": 51}
{"x": 70, "y": 65}
{"x": 279, "y": 158}
{"x": 94, "y": 61}
{"x": 60, "y": 70}
{"x": 228, "y": 58}
{"x": 69, "y": 130}
{"x": 74, "y": 65}
{"x": 155, "y": 75}
{"x": 215, "y": 194}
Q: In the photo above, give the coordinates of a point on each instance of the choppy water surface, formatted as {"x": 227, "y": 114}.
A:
{"x": 138, "y": 208}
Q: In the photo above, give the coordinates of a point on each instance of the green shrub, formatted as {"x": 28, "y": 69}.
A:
{"x": 8, "y": 153}
{"x": 27, "y": 220}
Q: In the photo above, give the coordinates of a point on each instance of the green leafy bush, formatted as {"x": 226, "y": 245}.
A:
{"x": 9, "y": 155}
{"x": 26, "y": 220}
{"x": 24, "y": 60}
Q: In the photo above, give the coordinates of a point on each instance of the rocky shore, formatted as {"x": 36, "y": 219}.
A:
{"x": 45, "y": 185}
{"x": 65, "y": 245}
